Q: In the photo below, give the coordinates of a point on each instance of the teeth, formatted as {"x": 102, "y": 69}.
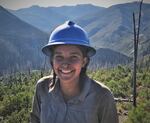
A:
{"x": 65, "y": 71}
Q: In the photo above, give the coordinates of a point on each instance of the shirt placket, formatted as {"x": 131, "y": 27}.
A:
{"x": 66, "y": 118}
{"x": 62, "y": 107}
{"x": 62, "y": 113}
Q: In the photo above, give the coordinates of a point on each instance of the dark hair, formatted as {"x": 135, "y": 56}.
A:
{"x": 84, "y": 51}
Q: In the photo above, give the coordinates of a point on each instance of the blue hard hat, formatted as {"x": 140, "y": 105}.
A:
{"x": 68, "y": 33}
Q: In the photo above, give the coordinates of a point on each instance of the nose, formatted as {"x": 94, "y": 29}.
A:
{"x": 66, "y": 63}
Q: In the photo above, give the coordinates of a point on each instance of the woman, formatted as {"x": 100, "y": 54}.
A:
{"x": 70, "y": 96}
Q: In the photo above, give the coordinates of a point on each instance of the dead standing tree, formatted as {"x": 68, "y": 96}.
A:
{"x": 136, "y": 41}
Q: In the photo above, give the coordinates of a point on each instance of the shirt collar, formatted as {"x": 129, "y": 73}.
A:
{"x": 57, "y": 94}
{"x": 55, "y": 91}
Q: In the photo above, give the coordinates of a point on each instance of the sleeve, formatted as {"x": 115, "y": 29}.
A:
{"x": 107, "y": 109}
{"x": 35, "y": 112}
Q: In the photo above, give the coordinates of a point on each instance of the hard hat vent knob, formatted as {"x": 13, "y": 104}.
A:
{"x": 70, "y": 23}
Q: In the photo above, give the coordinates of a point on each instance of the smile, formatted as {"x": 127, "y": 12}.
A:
{"x": 66, "y": 71}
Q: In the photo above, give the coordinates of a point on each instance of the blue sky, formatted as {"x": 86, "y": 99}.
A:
{"x": 17, "y": 4}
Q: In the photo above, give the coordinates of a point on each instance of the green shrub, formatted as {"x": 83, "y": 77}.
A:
{"x": 140, "y": 114}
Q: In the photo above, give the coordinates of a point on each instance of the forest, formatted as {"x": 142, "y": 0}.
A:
{"x": 17, "y": 89}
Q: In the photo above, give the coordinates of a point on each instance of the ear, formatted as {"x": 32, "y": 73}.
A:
{"x": 85, "y": 61}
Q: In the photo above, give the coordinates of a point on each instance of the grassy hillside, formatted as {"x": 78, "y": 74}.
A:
{"x": 16, "y": 93}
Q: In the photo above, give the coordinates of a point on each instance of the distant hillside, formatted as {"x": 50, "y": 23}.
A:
{"x": 21, "y": 46}
{"x": 46, "y": 18}
{"x": 106, "y": 58}
{"x": 20, "y": 43}
{"x": 43, "y": 18}
{"x": 78, "y": 11}
{"x": 113, "y": 28}
{"x": 107, "y": 27}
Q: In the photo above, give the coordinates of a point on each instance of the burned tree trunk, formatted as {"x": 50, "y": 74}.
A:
{"x": 136, "y": 41}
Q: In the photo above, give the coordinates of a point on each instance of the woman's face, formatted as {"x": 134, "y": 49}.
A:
{"x": 68, "y": 61}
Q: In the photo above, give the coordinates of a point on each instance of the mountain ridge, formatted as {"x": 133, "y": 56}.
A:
{"x": 46, "y": 18}
{"x": 110, "y": 31}
{"x": 19, "y": 43}
{"x": 108, "y": 27}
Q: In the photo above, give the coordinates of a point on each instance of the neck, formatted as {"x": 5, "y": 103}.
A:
{"x": 70, "y": 90}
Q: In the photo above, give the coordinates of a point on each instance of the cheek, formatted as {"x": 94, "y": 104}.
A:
{"x": 79, "y": 67}
{"x": 55, "y": 66}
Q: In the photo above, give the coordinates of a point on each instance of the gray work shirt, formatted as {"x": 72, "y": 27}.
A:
{"x": 95, "y": 104}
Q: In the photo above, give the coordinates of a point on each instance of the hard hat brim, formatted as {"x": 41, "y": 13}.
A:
{"x": 47, "y": 48}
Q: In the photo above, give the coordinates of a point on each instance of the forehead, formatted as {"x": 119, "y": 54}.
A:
{"x": 66, "y": 48}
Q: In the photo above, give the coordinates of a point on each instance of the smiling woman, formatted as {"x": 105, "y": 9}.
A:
{"x": 70, "y": 96}
{"x": 67, "y": 62}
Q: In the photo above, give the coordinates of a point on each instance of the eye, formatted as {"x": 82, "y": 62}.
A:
{"x": 58, "y": 58}
{"x": 74, "y": 58}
